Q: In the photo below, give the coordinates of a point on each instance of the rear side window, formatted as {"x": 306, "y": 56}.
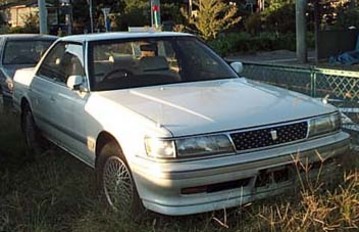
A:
{"x": 24, "y": 51}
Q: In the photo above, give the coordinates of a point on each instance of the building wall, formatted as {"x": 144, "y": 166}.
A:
{"x": 19, "y": 14}
{"x": 16, "y": 16}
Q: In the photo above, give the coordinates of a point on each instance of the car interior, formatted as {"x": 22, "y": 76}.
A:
{"x": 126, "y": 70}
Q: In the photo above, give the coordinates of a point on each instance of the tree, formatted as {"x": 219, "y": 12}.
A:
{"x": 31, "y": 23}
{"x": 213, "y": 17}
{"x": 132, "y": 13}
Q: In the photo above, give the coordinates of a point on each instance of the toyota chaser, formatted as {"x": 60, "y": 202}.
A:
{"x": 168, "y": 125}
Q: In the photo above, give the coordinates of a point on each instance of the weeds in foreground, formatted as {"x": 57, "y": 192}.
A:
{"x": 323, "y": 204}
{"x": 316, "y": 211}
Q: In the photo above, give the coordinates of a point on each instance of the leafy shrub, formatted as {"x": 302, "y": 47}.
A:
{"x": 31, "y": 25}
{"x": 253, "y": 24}
{"x": 172, "y": 12}
{"x": 4, "y": 29}
{"x": 348, "y": 18}
{"x": 133, "y": 17}
{"x": 16, "y": 30}
{"x": 213, "y": 17}
{"x": 281, "y": 20}
{"x": 245, "y": 42}
{"x": 231, "y": 42}
{"x": 310, "y": 39}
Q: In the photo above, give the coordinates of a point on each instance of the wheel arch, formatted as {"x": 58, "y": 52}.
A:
{"x": 136, "y": 206}
{"x": 103, "y": 138}
{"x": 23, "y": 104}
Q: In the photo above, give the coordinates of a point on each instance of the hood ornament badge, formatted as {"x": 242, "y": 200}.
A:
{"x": 274, "y": 135}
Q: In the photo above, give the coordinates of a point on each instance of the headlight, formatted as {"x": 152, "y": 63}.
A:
{"x": 160, "y": 148}
{"x": 203, "y": 145}
{"x": 324, "y": 124}
{"x": 188, "y": 147}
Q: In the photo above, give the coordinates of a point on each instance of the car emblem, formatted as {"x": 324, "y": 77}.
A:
{"x": 274, "y": 134}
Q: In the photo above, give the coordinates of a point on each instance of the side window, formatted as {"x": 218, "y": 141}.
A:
{"x": 199, "y": 63}
{"x": 64, "y": 60}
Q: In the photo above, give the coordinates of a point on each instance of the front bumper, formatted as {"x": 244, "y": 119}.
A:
{"x": 162, "y": 185}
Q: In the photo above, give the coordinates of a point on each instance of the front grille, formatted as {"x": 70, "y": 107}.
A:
{"x": 275, "y": 135}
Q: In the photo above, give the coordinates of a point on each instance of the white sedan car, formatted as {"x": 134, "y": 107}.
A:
{"x": 168, "y": 125}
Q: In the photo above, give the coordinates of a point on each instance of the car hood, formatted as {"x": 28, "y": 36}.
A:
{"x": 212, "y": 106}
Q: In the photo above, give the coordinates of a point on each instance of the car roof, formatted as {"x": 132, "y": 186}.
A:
{"x": 119, "y": 35}
{"x": 28, "y": 36}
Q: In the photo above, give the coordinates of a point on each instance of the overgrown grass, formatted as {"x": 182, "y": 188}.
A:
{"x": 56, "y": 192}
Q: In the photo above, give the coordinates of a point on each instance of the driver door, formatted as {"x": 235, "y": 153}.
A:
{"x": 62, "y": 110}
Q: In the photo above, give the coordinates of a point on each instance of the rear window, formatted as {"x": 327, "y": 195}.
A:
{"x": 25, "y": 52}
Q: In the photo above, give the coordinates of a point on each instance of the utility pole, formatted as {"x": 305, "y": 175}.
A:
{"x": 300, "y": 10}
{"x": 105, "y": 12}
{"x": 317, "y": 14}
{"x": 68, "y": 18}
{"x": 89, "y": 2}
{"x": 43, "y": 16}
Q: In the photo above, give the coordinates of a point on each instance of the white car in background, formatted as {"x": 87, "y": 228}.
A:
{"x": 167, "y": 124}
{"x": 19, "y": 51}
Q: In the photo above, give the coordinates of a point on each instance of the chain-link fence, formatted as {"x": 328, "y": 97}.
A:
{"x": 339, "y": 87}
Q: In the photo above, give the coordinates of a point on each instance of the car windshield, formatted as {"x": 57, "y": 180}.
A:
{"x": 121, "y": 64}
{"x": 24, "y": 52}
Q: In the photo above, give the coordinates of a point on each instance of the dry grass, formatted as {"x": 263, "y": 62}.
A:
{"x": 55, "y": 192}
{"x": 316, "y": 209}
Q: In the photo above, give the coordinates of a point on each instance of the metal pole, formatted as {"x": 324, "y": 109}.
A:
{"x": 68, "y": 19}
{"x": 316, "y": 29}
{"x": 151, "y": 1}
{"x": 89, "y": 2}
{"x": 156, "y": 13}
{"x": 300, "y": 10}
{"x": 43, "y": 16}
{"x": 105, "y": 12}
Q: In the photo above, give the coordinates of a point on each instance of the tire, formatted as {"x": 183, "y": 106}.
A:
{"x": 33, "y": 138}
{"x": 116, "y": 182}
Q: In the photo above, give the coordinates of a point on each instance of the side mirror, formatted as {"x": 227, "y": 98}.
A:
{"x": 74, "y": 82}
{"x": 237, "y": 66}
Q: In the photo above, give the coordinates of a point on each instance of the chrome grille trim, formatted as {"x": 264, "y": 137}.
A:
{"x": 269, "y": 136}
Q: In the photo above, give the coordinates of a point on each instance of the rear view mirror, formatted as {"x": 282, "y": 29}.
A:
{"x": 74, "y": 82}
{"x": 237, "y": 66}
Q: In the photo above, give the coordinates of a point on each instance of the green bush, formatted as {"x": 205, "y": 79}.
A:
{"x": 4, "y": 29}
{"x": 253, "y": 24}
{"x": 347, "y": 18}
{"x": 310, "y": 39}
{"x": 16, "y": 30}
{"x": 231, "y": 42}
{"x": 245, "y": 42}
{"x": 281, "y": 20}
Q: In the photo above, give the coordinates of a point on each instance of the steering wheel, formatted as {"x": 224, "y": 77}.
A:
{"x": 124, "y": 73}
